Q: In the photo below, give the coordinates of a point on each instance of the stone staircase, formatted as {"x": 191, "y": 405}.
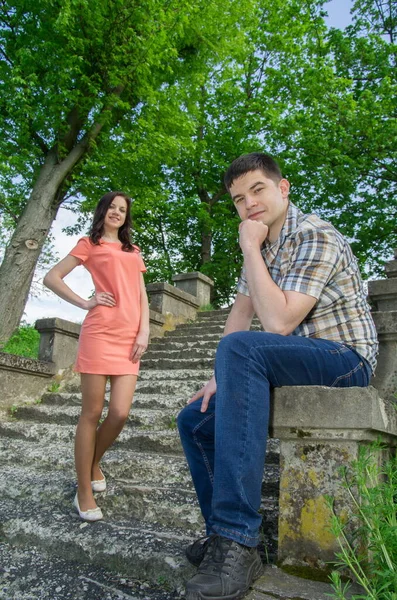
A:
{"x": 150, "y": 507}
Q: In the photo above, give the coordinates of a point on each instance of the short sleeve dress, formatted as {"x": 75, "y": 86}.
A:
{"x": 108, "y": 333}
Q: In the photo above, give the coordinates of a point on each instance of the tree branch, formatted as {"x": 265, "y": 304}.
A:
{"x": 2, "y": 51}
{"x": 7, "y": 209}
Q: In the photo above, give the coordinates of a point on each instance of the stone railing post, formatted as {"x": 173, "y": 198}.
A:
{"x": 196, "y": 284}
{"x": 383, "y": 296}
{"x": 167, "y": 299}
{"x": 321, "y": 430}
{"x": 58, "y": 341}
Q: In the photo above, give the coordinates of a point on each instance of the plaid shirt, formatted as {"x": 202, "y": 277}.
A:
{"x": 313, "y": 258}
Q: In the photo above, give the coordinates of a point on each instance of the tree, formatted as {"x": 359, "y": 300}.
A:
{"x": 342, "y": 144}
{"x": 183, "y": 217}
{"x": 71, "y": 71}
{"x": 323, "y": 101}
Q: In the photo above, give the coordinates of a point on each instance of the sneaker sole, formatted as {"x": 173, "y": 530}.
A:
{"x": 257, "y": 572}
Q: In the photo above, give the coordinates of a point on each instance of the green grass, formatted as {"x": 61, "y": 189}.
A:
{"x": 24, "y": 342}
{"x": 206, "y": 307}
{"x": 54, "y": 387}
{"x": 369, "y": 555}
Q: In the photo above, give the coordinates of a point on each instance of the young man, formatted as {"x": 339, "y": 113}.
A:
{"x": 302, "y": 281}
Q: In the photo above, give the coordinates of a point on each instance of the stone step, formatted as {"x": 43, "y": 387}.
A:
{"x": 180, "y": 343}
{"x": 209, "y": 314}
{"x": 130, "y": 438}
{"x": 202, "y": 331}
{"x": 179, "y": 353}
{"x": 209, "y": 326}
{"x": 151, "y": 381}
{"x": 197, "y": 326}
{"x": 166, "y": 441}
{"x": 150, "y": 552}
{"x": 174, "y": 398}
{"x": 69, "y": 415}
{"x": 168, "y": 505}
{"x": 177, "y": 388}
{"x": 141, "y": 468}
{"x": 174, "y": 375}
{"x": 180, "y": 363}
{"x": 173, "y": 387}
{"x": 188, "y": 336}
{"x": 32, "y": 574}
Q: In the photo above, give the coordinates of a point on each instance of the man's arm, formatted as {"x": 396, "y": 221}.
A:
{"x": 239, "y": 319}
{"x": 240, "y": 316}
{"x": 278, "y": 311}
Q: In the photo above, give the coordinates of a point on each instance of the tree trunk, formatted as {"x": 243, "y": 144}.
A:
{"x": 23, "y": 251}
{"x": 206, "y": 241}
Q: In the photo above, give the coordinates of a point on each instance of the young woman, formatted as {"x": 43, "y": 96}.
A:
{"x": 113, "y": 337}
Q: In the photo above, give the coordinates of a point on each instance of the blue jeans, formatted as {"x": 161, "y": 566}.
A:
{"x": 225, "y": 447}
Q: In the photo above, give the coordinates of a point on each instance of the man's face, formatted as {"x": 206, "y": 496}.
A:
{"x": 259, "y": 198}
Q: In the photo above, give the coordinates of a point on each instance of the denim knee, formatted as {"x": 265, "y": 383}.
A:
{"x": 230, "y": 344}
{"x": 187, "y": 419}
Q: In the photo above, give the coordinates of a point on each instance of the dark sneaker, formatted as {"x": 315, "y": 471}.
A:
{"x": 227, "y": 570}
{"x": 196, "y": 551}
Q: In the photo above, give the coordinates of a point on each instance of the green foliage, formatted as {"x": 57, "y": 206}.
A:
{"x": 24, "y": 342}
{"x": 370, "y": 553}
{"x": 13, "y": 410}
{"x": 54, "y": 387}
{"x": 172, "y": 422}
{"x": 323, "y": 101}
{"x": 205, "y": 308}
{"x": 167, "y": 94}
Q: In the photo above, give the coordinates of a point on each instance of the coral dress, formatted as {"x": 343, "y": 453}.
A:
{"x": 108, "y": 333}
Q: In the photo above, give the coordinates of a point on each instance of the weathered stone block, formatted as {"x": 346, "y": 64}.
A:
{"x": 196, "y": 284}
{"x": 165, "y": 298}
{"x": 383, "y": 294}
{"x": 321, "y": 430}
{"x": 156, "y": 324}
{"x": 22, "y": 378}
{"x": 58, "y": 341}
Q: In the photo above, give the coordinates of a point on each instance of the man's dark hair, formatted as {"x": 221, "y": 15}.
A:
{"x": 251, "y": 162}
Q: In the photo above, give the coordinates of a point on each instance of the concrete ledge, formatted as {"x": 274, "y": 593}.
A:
{"x": 165, "y": 298}
{"x": 197, "y": 284}
{"x": 157, "y": 322}
{"x": 22, "y": 378}
{"x": 319, "y": 411}
{"x": 58, "y": 341}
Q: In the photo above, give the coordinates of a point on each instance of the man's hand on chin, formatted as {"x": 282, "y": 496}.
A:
{"x": 252, "y": 234}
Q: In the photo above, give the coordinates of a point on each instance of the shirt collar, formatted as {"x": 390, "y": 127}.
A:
{"x": 290, "y": 224}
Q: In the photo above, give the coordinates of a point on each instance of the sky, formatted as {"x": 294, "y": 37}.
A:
{"x": 48, "y": 304}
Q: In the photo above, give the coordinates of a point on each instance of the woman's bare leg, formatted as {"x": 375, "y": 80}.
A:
{"x": 122, "y": 388}
{"x": 93, "y": 394}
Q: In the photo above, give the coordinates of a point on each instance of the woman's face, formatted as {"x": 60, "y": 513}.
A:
{"x": 116, "y": 213}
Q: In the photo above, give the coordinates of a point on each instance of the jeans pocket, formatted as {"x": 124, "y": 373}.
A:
{"x": 357, "y": 377}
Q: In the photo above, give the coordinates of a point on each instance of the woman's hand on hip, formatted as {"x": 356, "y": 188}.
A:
{"x": 102, "y": 299}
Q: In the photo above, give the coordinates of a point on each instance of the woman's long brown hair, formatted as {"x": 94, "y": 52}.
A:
{"x": 124, "y": 232}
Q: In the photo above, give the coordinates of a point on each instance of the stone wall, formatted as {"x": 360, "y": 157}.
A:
{"x": 23, "y": 379}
